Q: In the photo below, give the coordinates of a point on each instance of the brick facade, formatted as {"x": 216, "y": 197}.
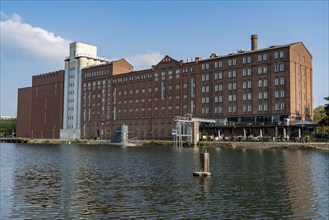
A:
{"x": 248, "y": 88}
{"x": 24, "y": 102}
{"x": 40, "y": 107}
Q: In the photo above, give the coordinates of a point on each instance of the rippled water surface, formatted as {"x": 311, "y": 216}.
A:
{"x": 84, "y": 181}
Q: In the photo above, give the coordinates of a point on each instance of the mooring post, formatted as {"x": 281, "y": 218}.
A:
{"x": 204, "y": 165}
{"x": 204, "y": 161}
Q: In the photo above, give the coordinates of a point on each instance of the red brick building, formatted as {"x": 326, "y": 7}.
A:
{"x": 249, "y": 92}
{"x": 40, "y": 107}
{"x": 24, "y": 102}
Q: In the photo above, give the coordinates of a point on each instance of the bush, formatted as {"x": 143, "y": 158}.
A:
{"x": 85, "y": 137}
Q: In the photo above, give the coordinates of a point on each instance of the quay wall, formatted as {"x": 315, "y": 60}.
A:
{"x": 207, "y": 144}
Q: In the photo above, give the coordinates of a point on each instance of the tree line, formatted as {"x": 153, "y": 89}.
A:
{"x": 7, "y": 127}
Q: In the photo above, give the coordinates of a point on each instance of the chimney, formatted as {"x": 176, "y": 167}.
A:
{"x": 254, "y": 42}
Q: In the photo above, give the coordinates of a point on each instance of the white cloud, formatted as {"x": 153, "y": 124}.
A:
{"x": 145, "y": 60}
{"x": 21, "y": 40}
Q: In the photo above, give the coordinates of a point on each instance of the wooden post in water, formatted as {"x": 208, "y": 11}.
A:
{"x": 204, "y": 165}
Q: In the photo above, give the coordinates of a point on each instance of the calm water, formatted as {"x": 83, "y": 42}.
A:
{"x": 94, "y": 182}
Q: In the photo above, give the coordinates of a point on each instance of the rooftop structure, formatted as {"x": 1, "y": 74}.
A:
{"x": 81, "y": 56}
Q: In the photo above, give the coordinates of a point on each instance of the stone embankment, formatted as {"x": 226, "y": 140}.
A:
{"x": 224, "y": 144}
{"x": 287, "y": 145}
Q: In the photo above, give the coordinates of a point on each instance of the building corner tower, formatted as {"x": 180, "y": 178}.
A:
{"x": 81, "y": 56}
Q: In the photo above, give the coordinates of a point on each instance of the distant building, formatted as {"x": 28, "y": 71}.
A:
{"x": 81, "y": 56}
{"x": 256, "y": 92}
{"x": 40, "y": 107}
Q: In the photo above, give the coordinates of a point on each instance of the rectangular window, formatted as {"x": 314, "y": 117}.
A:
{"x": 265, "y": 95}
{"x": 249, "y": 108}
{"x": 260, "y": 70}
{"x": 276, "y": 55}
{"x": 260, "y": 108}
{"x": 248, "y": 59}
{"x": 276, "y": 94}
{"x": 281, "y": 54}
{"x": 245, "y": 96}
{"x": 282, "y": 106}
{"x": 265, "y": 82}
{"x": 282, "y": 93}
{"x": 220, "y": 87}
{"x": 260, "y": 83}
{"x": 249, "y": 84}
{"x": 282, "y": 67}
{"x": 260, "y": 95}
{"x": 230, "y": 98}
{"x": 244, "y": 85}
{"x": 229, "y": 62}
{"x": 282, "y": 81}
{"x": 276, "y": 68}
{"x": 244, "y": 60}
{"x": 244, "y": 108}
{"x": 265, "y": 108}
{"x": 259, "y": 57}
{"x": 220, "y": 98}
{"x": 230, "y": 86}
{"x": 276, "y": 81}
{"x": 234, "y": 86}
{"x": 264, "y": 56}
{"x": 249, "y": 96}
{"x": 216, "y": 75}
{"x": 277, "y": 106}
{"x": 220, "y": 64}
{"x": 234, "y": 62}
{"x": 220, "y": 76}
{"x": 244, "y": 72}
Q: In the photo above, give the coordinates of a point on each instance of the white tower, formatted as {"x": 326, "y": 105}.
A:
{"x": 81, "y": 56}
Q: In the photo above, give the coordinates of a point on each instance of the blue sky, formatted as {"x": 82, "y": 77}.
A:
{"x": 35, "y": 34}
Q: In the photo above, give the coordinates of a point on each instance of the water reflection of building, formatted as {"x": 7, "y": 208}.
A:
{"x": 300, "y": 193}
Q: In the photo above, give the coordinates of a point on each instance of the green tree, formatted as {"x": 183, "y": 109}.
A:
{"x": 7, "y": 126}
{"x": 325, "y": 119}
{"x": 319, "y": 113}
